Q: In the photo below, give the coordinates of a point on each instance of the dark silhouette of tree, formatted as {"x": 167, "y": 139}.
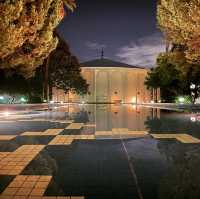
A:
{"x": 65, "y": 71}
{"x": 174, "y": 75}
{"x": 166, "y": 77}
{"x": 14, "y": 84}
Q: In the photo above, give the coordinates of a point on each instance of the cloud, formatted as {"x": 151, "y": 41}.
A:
{"x": 143, "y": 52}
{"x": 95, "y": 45}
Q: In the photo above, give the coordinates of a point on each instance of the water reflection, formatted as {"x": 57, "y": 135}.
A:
{"x": 165, "y": 169}
{"x": 173, "y": 122}
{"x": 182, "y": 179}
{"x": 107, "y": 117}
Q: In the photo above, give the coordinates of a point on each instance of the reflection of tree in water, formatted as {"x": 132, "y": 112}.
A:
{"x": 82, "y": 116}
{"x": 153, "y": 124}
{"x": 183, "y": 179}
{"x": 172, "y": 123}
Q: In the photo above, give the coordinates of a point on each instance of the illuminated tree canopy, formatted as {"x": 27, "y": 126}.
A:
{"x": 27, "y": 32}
{"x": 180, "y": 21}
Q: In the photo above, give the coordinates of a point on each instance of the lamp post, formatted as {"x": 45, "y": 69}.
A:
{"x": 138, "y": 93}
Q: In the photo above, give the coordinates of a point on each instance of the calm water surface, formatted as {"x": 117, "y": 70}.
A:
{"x": 141, "y": 168}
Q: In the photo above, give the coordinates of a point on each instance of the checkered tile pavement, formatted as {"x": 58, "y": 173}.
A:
{"x": 34, "y": 187}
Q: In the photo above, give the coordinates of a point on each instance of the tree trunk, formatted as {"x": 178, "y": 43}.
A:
{"x": 156, "y": 95}
{"x": 46, "y": 80}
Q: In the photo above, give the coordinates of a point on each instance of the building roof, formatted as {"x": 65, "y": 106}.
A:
{"x": 106, "y": 63}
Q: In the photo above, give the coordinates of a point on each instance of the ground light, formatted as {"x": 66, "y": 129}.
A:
{"x": 181, "y": 99}
{"x": 22, "y": 99}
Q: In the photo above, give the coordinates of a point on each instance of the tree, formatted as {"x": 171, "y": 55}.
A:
{"x": 180, "y": 21}
{"x": 65, "y": 71}
{"x": 27, "y": 32}
{"x": 175, "y": 76}
{"x": 191, "y": 76}
{"x": 13, "y": 85}
{"x": 35, "y": 84}
{"x": 166, "y": 77}
{"x": 189, "y": 72}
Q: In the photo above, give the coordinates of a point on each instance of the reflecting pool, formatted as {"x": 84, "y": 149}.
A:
{"x": 100, "y": 152}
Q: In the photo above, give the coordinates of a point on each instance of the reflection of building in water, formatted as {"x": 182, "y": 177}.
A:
{"x": 131, "y": 117}
{"x": 110, "y": 81}
{"x": 107, "y": 117}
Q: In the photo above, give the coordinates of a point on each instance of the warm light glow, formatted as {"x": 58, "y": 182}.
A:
{"x": 133, "y": 107}
{"x": 193, "y": 119}
{"x": 52, "y": 102}
{"x": 152, "y": 102}
{"x": 62, "y": 102}
{"x": 133, "y": 100}
{"x": 22, "y": 99}
{"x": 181, "y": 99}
{"x": 192, "y": 86}
{"x": 6, "y": 114}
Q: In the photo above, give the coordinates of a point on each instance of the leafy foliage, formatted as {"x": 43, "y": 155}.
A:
{"x": 180, "y": 21}
{"x": 26, "y": 32}
{"x": 65, "y": 71}
{"x": 14, "y": 84}
{"x": 175, "y": 76}
{"x": 166, "y": 77}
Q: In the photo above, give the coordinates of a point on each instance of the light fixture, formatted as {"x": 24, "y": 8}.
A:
{"x": 52, "y": 102}
{"x": 1, "y": 97}
{"x": 193, "y": 119}
{"x": 133, "y": 100}
{"x": 181, "y": 99}
{"x": 22, "y": 99}
{"x": 192, "y": 86}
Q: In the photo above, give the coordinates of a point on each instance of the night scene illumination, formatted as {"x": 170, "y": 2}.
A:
{"x": 99, "y": 99}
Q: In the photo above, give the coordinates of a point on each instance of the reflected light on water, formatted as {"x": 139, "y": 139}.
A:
{"x": 193, "y": 119}
{"x": 6, "y": 114}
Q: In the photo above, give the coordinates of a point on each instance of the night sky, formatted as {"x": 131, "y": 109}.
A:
{"x": 126, "y": 29}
